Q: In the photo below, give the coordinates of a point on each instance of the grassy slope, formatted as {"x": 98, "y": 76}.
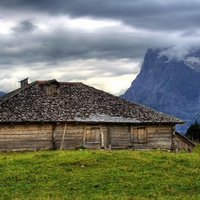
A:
{"x": 91, "y": 174}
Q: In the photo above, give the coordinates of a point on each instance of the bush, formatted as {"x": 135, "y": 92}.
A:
{"x": 193, "y": 132}
{"x": 80, "y": 148}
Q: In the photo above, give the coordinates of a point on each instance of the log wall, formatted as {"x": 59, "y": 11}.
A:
{"x": 25, "y": 137}
{"x": 141, "y": 137}
{"x": 120, "y": 136}
{"x": 69, "y": 136}
{"x": 159, "y": 137}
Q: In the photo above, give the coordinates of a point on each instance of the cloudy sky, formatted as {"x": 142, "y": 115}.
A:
{"x": 98, "y": 42}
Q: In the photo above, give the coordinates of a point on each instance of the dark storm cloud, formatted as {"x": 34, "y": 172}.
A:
{"x": 155, "y": 14}
{"x": 65, "y": 44}
{"x": 163, "y": 23}
{"x": 24, "y": 26}
{"x": 91, "y": 39}
{"x": 61, "y": 45}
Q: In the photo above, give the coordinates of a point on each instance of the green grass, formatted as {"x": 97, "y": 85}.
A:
{"x": 100, "y": 174}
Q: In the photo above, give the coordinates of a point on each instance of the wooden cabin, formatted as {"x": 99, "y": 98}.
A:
{"x": 66, "y": 115}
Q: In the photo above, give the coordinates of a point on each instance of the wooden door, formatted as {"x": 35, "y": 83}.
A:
{"x": 93, "y": 136}
{"x": 139, "y": 135}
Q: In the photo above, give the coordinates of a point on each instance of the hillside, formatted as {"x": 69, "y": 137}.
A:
{"x": 169, "y": 85}
{"x": 1, "y": 94}
{"x": 89, "y": 174}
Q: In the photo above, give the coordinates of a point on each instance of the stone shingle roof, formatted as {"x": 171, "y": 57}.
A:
{"x": 75, "y": 103}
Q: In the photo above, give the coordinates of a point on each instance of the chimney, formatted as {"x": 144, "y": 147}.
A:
{"x": 24, "y": 82}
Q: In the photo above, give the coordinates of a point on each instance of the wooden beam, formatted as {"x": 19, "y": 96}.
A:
{"x": 63, "y": 138}
{"x": 172, "y": 138}
{"x": 108, "y": 137}
{"x": 54, "y": 136}
{"x": 84, "y": 135}
{"x": 102, "y": 137}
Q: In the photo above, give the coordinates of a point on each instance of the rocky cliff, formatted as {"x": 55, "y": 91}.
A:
{"x": 169, "y": 84}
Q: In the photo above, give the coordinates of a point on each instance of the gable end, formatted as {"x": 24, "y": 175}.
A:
{"x": 51, "y": 87}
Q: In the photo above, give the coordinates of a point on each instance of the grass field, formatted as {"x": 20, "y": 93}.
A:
{"x": 100, "y": 174}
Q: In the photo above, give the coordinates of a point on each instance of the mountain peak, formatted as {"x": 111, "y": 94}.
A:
{"x": 169, "y": 84}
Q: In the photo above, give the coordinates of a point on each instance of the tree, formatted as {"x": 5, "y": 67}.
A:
{"x": 193, "y": 132}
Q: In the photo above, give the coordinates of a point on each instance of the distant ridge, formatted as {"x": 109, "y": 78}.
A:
{"x": 169, "y": 85}
{"x": 1, "y": 94}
